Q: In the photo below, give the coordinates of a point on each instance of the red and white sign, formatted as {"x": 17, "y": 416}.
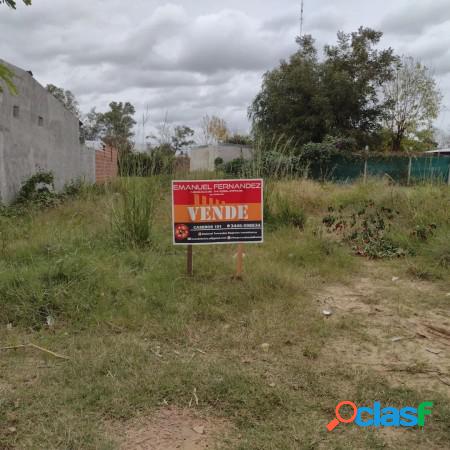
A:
{"x": 217, "y": 211}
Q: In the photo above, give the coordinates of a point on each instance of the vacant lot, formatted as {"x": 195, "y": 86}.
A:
{"x": 157, "y": 360}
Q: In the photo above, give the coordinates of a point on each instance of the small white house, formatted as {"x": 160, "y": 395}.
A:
{"x": 439, "y": 152}
{"x": 203, "y": 157}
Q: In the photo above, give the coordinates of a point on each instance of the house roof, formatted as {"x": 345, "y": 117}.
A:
{"x": 439, "y": 151}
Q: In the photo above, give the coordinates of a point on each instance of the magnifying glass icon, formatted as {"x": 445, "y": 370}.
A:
{"x": 339, "y": 419}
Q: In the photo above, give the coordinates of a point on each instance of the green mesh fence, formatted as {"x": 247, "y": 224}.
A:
{"x": 342, "y": 169}
{"x": 430, "y": 168}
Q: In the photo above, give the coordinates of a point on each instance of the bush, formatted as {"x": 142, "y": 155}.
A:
{"x": 218, "y": 163}
{"x": 236, "y": 167}
{"x": 73, "y": 188}
{"x": 38, "y": 190}
{"x": 365, "y": 228}
{"x": 318, "y": 157}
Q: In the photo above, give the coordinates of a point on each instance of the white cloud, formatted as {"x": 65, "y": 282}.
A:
{"x": 193, "y": 57}
{"x": 412, "y": 17}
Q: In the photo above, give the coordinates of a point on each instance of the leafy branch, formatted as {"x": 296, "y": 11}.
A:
{"x": 12, "y": 3}
{"x": 6, "y": 74}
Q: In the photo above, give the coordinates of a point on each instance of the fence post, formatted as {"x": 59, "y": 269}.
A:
{"x": 366, "y": 152}
{"x": 448, "y": 179}
{"x": 409, "y": 170}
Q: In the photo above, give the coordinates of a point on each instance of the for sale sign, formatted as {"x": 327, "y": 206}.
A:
{"x": 217, "y": 211}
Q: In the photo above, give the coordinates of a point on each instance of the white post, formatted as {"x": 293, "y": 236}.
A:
{"x": 366, "y": 164}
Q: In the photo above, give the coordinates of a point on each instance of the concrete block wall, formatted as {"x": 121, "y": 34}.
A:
{"x": 204, "y": 157}
{"x": 38, "y": 133}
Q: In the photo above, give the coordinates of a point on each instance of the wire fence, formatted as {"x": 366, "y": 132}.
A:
{"x": 403, "y": 170}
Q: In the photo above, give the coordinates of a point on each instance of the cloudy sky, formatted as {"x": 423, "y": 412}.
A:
{"x": 188, "y": 58}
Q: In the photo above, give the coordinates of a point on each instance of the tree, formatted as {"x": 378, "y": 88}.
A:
{"x": 12, "y": 3}
{"x": 412, "y": 99}
{"x": 353, "y": 73}
{"x": 6, "y": 74}
{"x": 91, "y": 125}
{"x": 66, "y": 98}
{"x": 305, "y": 99}
{"x": 116, "y": 125}
{"x": 214, "y": 129}
{"x": 291, "y": 103}
{"x": 170, "y": 139}
{"x": 181, "y": 138}
{"x": 163, "y": 136}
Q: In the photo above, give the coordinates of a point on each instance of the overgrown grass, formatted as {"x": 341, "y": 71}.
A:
{"x": 134, "y": 208}
{"x": 132, "y": 322}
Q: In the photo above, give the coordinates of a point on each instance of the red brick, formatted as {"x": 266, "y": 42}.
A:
{"x": 106, "y": 166}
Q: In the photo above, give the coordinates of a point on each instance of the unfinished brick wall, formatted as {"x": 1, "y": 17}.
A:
{"x": 106, "y": 166}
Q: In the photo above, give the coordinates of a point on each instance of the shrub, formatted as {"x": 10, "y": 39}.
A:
{"x": 38, "y": 189}
{"x": 38, "y": 192}
{"x": 365, "y": 229}
{"x": 73, "y": 188}
{"x": 236, "y": 167}
{"x": 218, "y": 163}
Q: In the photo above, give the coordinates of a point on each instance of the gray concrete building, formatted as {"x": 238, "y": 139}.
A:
{"x": 38, "y": 133}
{"x": 204, "y": 157}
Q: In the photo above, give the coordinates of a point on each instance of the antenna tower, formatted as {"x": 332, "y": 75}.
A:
{"x": 301, "y": 19}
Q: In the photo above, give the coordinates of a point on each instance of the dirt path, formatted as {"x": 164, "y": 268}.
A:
{"x": 170, "y": 429}
{"x": 406, "y": 340}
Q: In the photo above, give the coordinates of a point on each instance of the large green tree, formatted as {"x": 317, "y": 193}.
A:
{"x": 182, "y": 138}
{"x": 67, "y": 98}
{"x": 116, "y": 125}
{"x": 306, "y": 98}
{"x": 353, "y": 73}
{"x": 291, "y": 102}
{"x": 91, "y": 125}
{"x": 413, "y": 100}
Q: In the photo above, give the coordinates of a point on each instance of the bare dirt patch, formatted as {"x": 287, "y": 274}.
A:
{"x": 170, "y": 429}
{"x": 409, "y": 344}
